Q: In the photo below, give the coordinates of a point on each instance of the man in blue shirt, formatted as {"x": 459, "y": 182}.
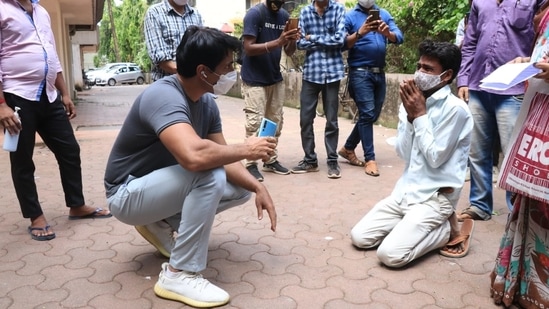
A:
{"x": 265, "y": 35}
{"x": 322, "y": 25}
{"x": 367, "y": 41}
{"x": 434, "y": 136}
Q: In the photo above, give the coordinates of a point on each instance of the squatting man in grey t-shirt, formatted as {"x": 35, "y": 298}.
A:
{"x": 170, "y": 165}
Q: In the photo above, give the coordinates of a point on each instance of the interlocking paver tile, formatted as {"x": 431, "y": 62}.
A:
{"x": 318, "y": 275}
{"x": 242, "y": 252}
{"x": 340, "y": 303}
{"x": 16, "y": 251}
{"x": 54, "y": 281}
{"x": 357, "y": 291}
{"x": 247, "y": 301}
{"x": 30, "y": 297}
{"x": 82, "y": 291}
{"x": 13, "y": 281}
{"x": 83, "y": 257}
{"x": 276, "y": 264}
{"x": 316, "y": 257}
{"x": 32, "y": 267}
{"x": 132, "y": 285}
{"x": 397, "y": 300}
{"x": 228, "y": 271}
{"x": 269, "y": 286}
{"x": 355, "y": 269}
{"x": 250, "y": 237}
{"x": 311, "y": 298}
{"x": 110, "y": 301}
{"x": 309, "y": 262}
{"x": 278, "y": 246}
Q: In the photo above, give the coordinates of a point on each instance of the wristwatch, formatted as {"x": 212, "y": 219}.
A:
{"x": 358, "y": 35}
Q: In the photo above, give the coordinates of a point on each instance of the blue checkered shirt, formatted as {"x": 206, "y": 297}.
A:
{"x": 324, "y": 61}
{"x": 164, "y": 29}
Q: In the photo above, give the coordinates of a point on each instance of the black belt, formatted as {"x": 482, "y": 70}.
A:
{"x": 368, "y": 69}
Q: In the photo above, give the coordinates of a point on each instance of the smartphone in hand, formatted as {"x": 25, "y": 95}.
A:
{"x": 375, "y": 14}
{"x": 267, "y": 128}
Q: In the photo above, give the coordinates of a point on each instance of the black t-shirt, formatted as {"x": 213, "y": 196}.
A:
{"x": 265, "y": 26}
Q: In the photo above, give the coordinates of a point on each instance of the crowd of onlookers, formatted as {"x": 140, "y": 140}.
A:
{"x": 170, "y": 170}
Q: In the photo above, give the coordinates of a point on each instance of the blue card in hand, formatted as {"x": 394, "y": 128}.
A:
{"x": 267, "y": 128}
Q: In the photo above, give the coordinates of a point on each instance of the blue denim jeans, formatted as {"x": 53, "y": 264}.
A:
{"x": 368, "y": 91}
{"x": 307, "y": 114}
{"x": 492, "y": 114}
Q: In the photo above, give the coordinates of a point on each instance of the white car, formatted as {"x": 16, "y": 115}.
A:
{"x": 91, "y": 76}
{"x": 122, "y": 74}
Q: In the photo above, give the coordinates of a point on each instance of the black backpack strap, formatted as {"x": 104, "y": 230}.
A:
{"x": 261, "y": 8}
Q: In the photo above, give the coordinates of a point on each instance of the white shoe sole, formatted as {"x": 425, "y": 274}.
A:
{"x": 161, "y": 292}
{"x": 151, "y": 238}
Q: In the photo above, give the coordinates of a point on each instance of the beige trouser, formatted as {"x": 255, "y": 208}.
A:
{"x": 266, "y": 101}
{"x": 404, "y": 232}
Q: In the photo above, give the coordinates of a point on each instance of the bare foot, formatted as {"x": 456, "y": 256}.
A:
{"x": 86, "y": 211}
{"x": 39, "y": 228}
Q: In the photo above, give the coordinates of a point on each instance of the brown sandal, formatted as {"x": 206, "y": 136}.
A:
{"x": 461, "y": 242}
{"x": 350, "y": 156}
{"x": 371, "y": 168}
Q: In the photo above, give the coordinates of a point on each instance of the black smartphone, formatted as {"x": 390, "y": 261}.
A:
{"x": 375, "y": 14}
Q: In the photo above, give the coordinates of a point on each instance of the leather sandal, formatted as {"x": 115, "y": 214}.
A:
{"x": 371, "y": 168}
{"x": 468, "y": 213}
{"x": 350, "y": 156}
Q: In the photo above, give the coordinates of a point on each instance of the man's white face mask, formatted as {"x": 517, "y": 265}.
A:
{"x": 426, "y": 81}
{"x": 181, "y": 2}
{"x": 225, "y": 82}
{"x": 366, "y": 3}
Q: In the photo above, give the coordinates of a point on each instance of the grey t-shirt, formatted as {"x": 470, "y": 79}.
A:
{"x": 138, "y": 150}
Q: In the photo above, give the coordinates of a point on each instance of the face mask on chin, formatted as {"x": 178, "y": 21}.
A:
{"x": 181, "y": 2}
{"x": 225, "y": 82}
{"x": 367, "y": 4}
{"x": 426, "y": 81}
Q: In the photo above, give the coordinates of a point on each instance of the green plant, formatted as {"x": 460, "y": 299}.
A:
{"x": 294, "y": 13}
{"x": 419, "y": 20}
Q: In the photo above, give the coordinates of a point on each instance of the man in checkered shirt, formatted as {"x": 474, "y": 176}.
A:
{"x": 165, "y": 23}
{"x": 322, "y": 25}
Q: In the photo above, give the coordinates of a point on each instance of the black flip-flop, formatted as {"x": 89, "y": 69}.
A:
{"x": 94, "y": 215}
{"x": 41, "y": 237}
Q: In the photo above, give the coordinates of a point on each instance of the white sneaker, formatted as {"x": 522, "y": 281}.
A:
{"x": 190, "y": 288}
{"x": 159, "y": 234}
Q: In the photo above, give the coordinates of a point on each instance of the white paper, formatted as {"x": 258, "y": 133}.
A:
{"x": 508, "y": 75}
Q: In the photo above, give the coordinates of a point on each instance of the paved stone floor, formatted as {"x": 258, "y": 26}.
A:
{"x": 308, "y": 262}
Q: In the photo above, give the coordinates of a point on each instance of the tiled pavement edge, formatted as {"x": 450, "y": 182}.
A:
{"x": 308, "y": 262}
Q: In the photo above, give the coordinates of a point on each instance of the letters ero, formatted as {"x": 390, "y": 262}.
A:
{"x": 535, "y": 152}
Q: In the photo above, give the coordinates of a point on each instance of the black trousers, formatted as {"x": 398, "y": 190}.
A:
{"x": 50, "y": 121}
